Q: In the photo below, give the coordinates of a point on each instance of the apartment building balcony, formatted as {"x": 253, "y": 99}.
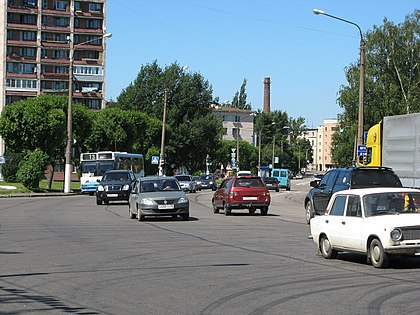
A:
{"x": 55, "y": 12}
{"x": 90, "y": 14}
{"x": 89, "y": 31}
{"x": 22, "y": 26}
{"x": 64, "y": 29}
{"x": 22, "y": 9}
{"x": 53, "y": 75}
{"x": 18, "y": 58}
{"x": 18, "y": 42}
{"x": 21, "y": 75}
{"x": 54, "y": 43}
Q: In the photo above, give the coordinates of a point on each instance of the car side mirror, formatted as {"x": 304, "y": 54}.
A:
{"x": 314, "y": 183}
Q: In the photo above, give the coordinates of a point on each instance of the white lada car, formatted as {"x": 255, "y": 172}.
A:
{"x": 379, "y": 222}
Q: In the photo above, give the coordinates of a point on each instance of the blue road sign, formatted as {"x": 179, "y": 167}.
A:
{"x": 155, "y": 159}
{"x": 361, "y": 149}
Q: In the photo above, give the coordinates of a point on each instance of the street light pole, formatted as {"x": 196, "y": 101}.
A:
{"x": 259, "y": 154}
{"x": 362, "y": 77}
{"x": 237, "y": 148}
{"x": 162, "y": 144}
{"x": 69, "y": 147}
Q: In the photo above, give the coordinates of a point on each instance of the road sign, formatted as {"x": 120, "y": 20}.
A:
{"x": 155, "y": 159}
{"x": 361, "y": 149}
{"x": 233, "y": 150}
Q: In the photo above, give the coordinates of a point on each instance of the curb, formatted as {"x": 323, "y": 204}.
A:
{"x": 17, "y": 195}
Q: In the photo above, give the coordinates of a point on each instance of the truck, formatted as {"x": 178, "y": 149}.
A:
{"x": 395, "y": 142}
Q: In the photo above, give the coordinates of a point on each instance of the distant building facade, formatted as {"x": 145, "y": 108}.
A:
{"x": 37, "y": 36}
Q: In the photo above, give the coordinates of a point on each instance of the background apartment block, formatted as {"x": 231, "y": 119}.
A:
{"x": 36, "y": 37}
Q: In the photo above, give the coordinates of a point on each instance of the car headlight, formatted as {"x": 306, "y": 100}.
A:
{"x": 126, "y": 187}
{"x": 147, "y": 202}
{"x": 100, "y": 188}
{"x": 396, "y": 235}
{"x": 211, "y": 182}
{"x": 183, "y": 200}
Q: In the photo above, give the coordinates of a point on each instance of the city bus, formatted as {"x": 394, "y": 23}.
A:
{"x": 94, "y": 164}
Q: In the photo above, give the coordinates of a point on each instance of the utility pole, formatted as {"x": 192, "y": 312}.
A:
{"x": 162, "y": 144}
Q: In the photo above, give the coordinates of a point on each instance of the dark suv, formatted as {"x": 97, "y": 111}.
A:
{"x": 337, "y": 179}
{"x": 115, "y": 185}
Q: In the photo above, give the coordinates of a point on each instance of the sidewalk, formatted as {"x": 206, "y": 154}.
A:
{"x": 33, "y": 194}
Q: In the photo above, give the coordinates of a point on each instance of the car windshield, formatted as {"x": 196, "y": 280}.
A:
{"x": 183, "y": 178}
{"x": 115, "y": 177}
{"x": 391, "y": 203}
{"x": 248, "y": 182}
{"x": 206, "y": 177}
{"x": 159, "y": 185}
{"x": 270, "y": 180}
{"x": 370, "y": 178}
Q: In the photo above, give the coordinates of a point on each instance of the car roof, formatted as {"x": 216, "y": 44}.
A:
{"x": 156, "y": 178}
{"x": 118, "y": 171}
{"x": 366, "y": 191}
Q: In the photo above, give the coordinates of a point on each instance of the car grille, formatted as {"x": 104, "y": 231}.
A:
{"x": 411, "y": 233}
{"x": 113, "y": 187}
{"x": 166, "y": 202}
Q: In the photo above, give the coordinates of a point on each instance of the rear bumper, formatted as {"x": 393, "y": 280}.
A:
{"x": 247, "y": 205}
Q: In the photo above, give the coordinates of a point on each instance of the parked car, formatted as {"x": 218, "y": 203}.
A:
{"x": 115, "y": 185}
{"x": 337, "y": 179}
{"x": 378, "y": 222}
{"x": 197, "y": 181}
{"x": 207, "y": 181}
{"x": 283, "y": 176}
{"x": 158, "y": 196}
{"x": 272, "y": 183}
{"x": 242, "y": 192}
{"x": 187, "y": 183}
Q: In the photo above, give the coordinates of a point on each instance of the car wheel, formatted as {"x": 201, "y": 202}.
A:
{"x": 106, "y": 202}
{"x": 264, "y": 211}
{"x": 131, "y": 214}
{"x": 185, "y": 217}
{"x": 226, "y": 209}
{"x": 98, "y": 201}
{"x": 377, "y": 255}
{"x": 139, "y": 216}
{"x": 251, "y": 211}
{"x": 215, "y": 209}
{"x": 326, "y": 249}
{"x": 309, "y": 212}
{"x": 288, "y": 188}
{"x": 91, "y": 194}
{"x": 277, "y": 189}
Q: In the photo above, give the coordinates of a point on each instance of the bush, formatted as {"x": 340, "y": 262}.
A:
{"x": 31, "y": 169}
{"x": 11, "y": 166}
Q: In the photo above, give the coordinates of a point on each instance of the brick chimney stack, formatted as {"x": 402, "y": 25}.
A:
{"x": 266, "y": 95}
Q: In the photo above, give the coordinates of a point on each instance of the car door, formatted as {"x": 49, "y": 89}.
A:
{"x": 134, "y": 195}
{"x": 219, "y": 193}
{"x": 334, "y": 220}
{"x": 351, "y": 233}
{"x": 323, "y": 193}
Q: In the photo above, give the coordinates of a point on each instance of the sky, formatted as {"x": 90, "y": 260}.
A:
{"x": 227, "y": 41}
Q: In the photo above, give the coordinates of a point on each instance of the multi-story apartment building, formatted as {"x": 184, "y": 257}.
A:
{"x": 322, "y": 153}
{"x": 38, "y": 39}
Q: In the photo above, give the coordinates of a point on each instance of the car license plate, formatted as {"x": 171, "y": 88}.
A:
{"x": 112, "y": 195}
{"x": 250, "y": 198}
{"x": 165, "y": 206}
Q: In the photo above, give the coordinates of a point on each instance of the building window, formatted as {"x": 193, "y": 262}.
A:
{"x": 45, "y": 4}
{"x": 9, "y": 34}
{"x": 60, "y": 5}
{"x": 20, "y": 83}
{"x": 97, "y": 7}
{"x": 60, "y": 85}
{"x": 28, "y": 19}
{"x": 225, "y": 131}
{"x": 29, "y": 3}
{"x": 236, "y": 132}
{"x": 93, "y": 104}
{"x": 95, "y": 24}
{"x": 88, "y": 70}
{"x": 237, "y": 118}
{"x": 60, "y": 54}
{"x": 27, "y": 51}
{"x": 61, "y": 69}
{"x": 64, "y": 22}
{"x": 27, "y": 36}
{"x": 77, "y": 6}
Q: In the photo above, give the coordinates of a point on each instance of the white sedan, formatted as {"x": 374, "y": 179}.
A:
{"x": 378, "y": 222}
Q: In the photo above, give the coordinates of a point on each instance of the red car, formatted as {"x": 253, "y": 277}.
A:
{"x": 242, "y": 192}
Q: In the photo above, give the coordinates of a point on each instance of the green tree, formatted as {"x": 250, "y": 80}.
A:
{"x": 239, "y": 100}
{"x": 392, "y": 81}
{"x": 32, "y": 168}
{"x": 37, "y": 123}
{"x": 189, "y": 97}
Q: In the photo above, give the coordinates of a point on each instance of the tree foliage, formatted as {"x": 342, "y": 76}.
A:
{"x": 392, "y": 81}
{"x": 31, "y": 168}
{"x": 239, "y": 100}
{"x": 191, "y": 129}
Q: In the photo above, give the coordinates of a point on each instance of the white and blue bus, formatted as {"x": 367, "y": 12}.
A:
{"x": 94, "y": 164}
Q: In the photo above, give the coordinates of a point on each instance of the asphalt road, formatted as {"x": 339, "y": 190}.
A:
{"x": 66, "y": 255}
